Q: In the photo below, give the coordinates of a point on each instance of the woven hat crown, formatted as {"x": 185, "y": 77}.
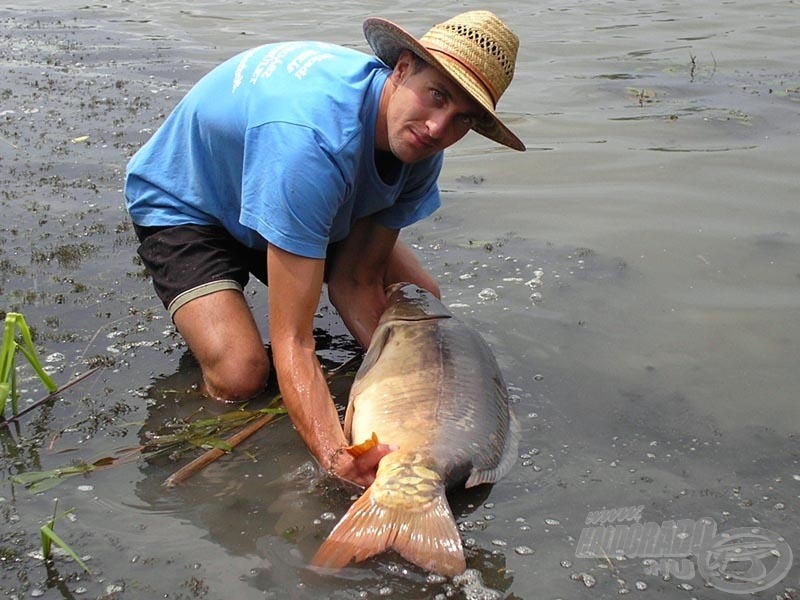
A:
{"x": 482, "y": 43}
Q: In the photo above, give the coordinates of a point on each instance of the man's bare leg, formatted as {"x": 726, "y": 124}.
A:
{"x": 224, "y": 338}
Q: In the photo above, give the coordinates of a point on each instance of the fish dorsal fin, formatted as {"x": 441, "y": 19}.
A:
{"x": 507, "y": 459}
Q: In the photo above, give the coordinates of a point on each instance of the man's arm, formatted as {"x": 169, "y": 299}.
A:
{"x": 358, "y": 277}
{"x": 370, "y": 259}
{"x": 295, "y": 283}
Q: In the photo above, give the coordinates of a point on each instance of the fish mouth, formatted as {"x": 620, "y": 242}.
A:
{"x": 394, "y": 287}
{"x": 410, "y": 302}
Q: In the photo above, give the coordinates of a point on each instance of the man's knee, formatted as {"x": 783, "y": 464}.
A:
{"x": 236, "y": 377}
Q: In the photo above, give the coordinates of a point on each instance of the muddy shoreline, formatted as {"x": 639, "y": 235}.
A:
{"x": 76, "y": 101}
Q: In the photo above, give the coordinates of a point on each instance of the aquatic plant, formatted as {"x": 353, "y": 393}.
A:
{"x": 179, "y": 437}
{"x": 49, "y": 538}
{"x": 172, "y": 441}
{"x": 15, "y": 323}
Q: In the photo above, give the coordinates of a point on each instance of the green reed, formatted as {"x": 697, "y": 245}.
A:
{"x": 15, "y": 324}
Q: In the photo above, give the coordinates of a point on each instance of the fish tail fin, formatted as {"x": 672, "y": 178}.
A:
{"x": 423, "y": 533}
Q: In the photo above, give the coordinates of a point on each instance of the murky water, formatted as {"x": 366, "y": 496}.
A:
{"x": 636, "y": 272}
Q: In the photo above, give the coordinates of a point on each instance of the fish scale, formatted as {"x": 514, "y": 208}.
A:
{"x": 430, "y": 386}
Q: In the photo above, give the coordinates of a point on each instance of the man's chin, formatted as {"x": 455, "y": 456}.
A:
{"x": 410, "y": 154}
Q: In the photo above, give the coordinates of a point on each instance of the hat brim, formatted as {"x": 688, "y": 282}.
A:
{"x": 388, "y": 41}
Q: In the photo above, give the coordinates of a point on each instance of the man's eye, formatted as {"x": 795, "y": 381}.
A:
{"x": 467, "y": 120}
{"x": 437, "y": 95}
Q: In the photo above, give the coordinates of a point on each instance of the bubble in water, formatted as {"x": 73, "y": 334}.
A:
{"x": 473, "y": 587}
{"x": 552, "y": 522}
{"x": 536, "y": 297}
{"x": 567, "y": 564}
{"x": 487, "y": 295}
{"x": 328, "y": 516}
{"x": 588, "y": 579}
{"x": 524, "y": 550}
{"x": 640, "y": 585}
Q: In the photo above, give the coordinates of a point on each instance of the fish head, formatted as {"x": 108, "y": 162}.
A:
{"x": 409, "y": 302}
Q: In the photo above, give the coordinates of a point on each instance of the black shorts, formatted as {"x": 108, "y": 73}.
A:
{"x": 190, "y": 261}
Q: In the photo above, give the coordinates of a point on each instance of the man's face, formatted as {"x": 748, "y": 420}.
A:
{"x": 425, "y": 111}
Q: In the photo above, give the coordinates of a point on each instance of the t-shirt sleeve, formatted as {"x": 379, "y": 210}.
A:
{"x": 419, "y": 198}
{"x": 291, "y": 188}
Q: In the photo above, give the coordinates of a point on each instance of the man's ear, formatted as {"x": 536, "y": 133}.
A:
{"x": 402, "y": 67}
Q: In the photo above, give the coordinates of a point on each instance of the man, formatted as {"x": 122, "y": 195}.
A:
{"x": 299, "y": 163}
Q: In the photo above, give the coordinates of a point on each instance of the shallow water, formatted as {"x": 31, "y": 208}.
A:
{"x": 635, "y": 272}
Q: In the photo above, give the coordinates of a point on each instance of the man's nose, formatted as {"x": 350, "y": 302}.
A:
{"x": 438, "y": 124}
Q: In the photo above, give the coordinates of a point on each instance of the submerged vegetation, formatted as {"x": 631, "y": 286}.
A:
{"x": 173, "y": 441}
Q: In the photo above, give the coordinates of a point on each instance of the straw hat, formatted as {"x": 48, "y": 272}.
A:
{"x": 476, "y": 49}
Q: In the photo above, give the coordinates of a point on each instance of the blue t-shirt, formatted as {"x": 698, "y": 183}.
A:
{"x": 277, "y": 145}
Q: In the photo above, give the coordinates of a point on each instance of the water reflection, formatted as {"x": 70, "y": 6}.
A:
{"x": 270, "y": 500}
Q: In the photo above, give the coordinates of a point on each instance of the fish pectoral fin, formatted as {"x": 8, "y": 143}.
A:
{"x": 493, "y": 473}
{"x": 425, "y": 535}
{"x": 357, "y": 450}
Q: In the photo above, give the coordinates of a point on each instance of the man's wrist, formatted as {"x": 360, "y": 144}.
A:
{"x": 335, "y": 458}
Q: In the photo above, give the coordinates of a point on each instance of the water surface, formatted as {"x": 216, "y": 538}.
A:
{"x": 636, "y": 273}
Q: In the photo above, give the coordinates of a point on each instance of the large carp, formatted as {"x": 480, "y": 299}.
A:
{"x": 430, "y": 386}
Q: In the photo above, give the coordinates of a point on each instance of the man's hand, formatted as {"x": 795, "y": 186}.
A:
{"x": 360, "y": 469}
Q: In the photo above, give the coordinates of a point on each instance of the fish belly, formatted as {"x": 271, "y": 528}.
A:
{"x": 435, "y": 387}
